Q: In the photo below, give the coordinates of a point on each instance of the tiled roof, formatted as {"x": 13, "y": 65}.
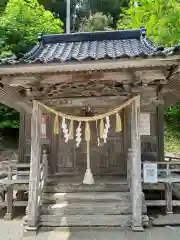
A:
{"x": 94, "y": 46}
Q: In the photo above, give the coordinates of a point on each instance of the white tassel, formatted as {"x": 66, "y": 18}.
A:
{"x": 106, "y": 129}
{"x": 88, "y": 177}
{"x": 65, "y": 130}
{"x": 78, "y": 135}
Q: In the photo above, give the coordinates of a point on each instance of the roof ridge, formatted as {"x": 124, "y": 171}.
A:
{"x": 92, "y": 36}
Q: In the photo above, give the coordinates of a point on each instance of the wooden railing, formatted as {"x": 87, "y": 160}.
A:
{"x": 168, "y": 174}
{"x": 43, "y": 172}
{"x": 11, "y": 181}
{"x": 42, "y": 177}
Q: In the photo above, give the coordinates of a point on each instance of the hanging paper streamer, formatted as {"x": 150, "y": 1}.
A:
{"x": 78, "y": 135}
{"x": 43, "y": 127}
{"x": 56, "y": 125}
{"x": 118, "y": 123}
{"x": 106, "y": 129}
{"x": 65, "y": 130}
{"x": 71, "y": 130}
{"x": 87, "y": 132}
{"x": 98, "y": 139}
{"x": 101, "y": 128}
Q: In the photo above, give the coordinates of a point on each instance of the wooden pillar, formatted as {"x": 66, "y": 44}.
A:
{"x": 168, "y": 192}
{"x": 22, "y": 137}
{"x": 127, "y": 140}
{"x": 34, "y": 176}
{"x": 9, "y": 213}
{"x": 168, "y": 195}
{"x": 136, "y": 187}
{"x": 160, "y": 129}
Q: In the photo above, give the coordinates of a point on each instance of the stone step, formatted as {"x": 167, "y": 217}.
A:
{"x": 97, "y": 208}
{"x": 88, "y": 220}
{"x": 85, "y": 197}
{"x": 78, "y": 187}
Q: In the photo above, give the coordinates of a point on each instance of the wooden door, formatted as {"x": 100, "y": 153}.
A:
{"x": 106, "y": 159}
{"x": 66, "y": 158}
{"x": 109, "y": 158}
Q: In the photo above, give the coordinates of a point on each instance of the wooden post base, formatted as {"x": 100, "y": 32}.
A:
{"x": 137, "y": 228}
{"x": 169, "y": 213}
{"x": 30, "y": 231}
{"x": 8, "y": 216}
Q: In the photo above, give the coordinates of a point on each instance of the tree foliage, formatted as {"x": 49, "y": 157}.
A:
{"x": 96, "y": 22}
{"x": 9, "y": 118}
{"x": 20, "y": 23}
{"x": 58, "y": 8}
{"x": 81, "y": 9}
{"x": 2, "y": 5}
{"x": 109, "y": 8}
{"x": 173, "y": 116}
{"x": 161, "y": 19}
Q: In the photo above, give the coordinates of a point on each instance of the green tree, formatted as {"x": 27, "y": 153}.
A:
{"x": 173, "y": 116}
{"x": 81, "y": 9}
{"x": 161, "y": 19}
{"x": 58, "y": 8}
{"x": 9, "y": 118}
{"x": 109, "y": 8}
{"x": 3, "y": 5}
{"x": 20, "y": 23}
{"x": 96, "y": 22}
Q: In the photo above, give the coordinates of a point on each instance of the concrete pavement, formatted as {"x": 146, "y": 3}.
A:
{"x": 12, "y": 230}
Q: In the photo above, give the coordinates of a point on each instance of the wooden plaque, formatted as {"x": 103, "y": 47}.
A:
{"x": 145, "y": 124}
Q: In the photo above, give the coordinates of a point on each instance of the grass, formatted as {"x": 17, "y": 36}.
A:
{"x": 172, "y": 140}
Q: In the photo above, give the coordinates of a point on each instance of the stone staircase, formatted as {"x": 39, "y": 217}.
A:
{"x": 77, "y": 205}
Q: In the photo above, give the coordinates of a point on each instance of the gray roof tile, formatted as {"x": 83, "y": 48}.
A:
{"x": 92, "y": 46}
{"x": 95, "y": 46}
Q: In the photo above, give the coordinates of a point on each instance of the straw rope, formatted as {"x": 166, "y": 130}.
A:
{"x": 89, "y": 119}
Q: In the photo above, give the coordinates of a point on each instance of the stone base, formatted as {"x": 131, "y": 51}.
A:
{"x": 168, "y": 213}
{"x": 137, "y": 228}
{"x": 8, "y": 216}
{"x": 145, "y": 221}
{"x": 167, "y": 220}
{"x": 30, "y": 231}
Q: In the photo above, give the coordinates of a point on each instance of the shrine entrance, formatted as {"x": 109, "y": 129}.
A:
{"x": 106, "y": 159}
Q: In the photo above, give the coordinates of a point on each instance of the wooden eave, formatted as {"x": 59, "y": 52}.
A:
{"x": 99, "y": 65}
{"x": 129, "y": 73}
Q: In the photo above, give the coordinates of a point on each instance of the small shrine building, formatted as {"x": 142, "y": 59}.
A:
{"x": 92, "y": 106}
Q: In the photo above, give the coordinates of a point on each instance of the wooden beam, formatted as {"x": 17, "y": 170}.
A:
{"x": 156, "y": 63}
{"x": 147, "y": 76}
{"x": 59, "y": 78}
{"x": 18, "y": 81}
{"x": 161, "y": 203}
{"x": 91, "y": 101}
{"x": 136, "y": 166}
{"x": 10, "y": 97}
